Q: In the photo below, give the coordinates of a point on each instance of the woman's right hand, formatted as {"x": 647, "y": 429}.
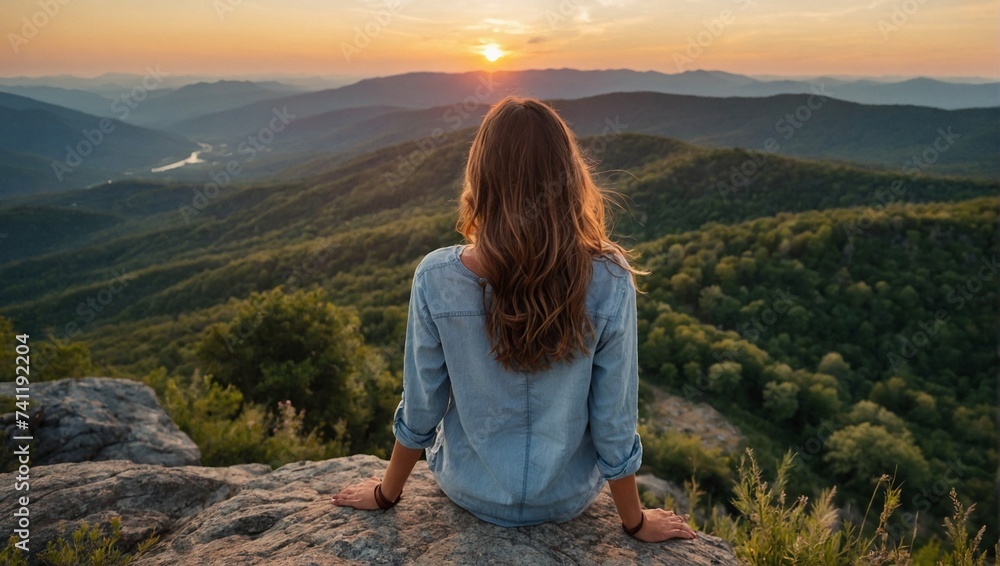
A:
{"x": 660, "y": 525}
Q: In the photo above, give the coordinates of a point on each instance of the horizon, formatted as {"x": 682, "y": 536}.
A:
{"x": 870, "y": 39}
{"x": 345, "y": 79}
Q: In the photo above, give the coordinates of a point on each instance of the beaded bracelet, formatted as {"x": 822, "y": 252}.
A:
{"x": 380, "y": 499}
{"x": 634, "y": 530}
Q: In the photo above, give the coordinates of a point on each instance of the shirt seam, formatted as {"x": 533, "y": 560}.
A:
{"x": 455, "y": 259}
{"x": 527, "y": 447}
{"x": 456, "y": 313}
{"x": 612, "y": 322}
{"x": 447, "y": 314}
{"x": 623, "y": 287}
{"x": 423, "y": 308}
{"x": 424, "y": 269}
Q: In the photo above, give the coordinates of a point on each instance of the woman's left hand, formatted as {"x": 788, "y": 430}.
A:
{"x": 360, "y": 495}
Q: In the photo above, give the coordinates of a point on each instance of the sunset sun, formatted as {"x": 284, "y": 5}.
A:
{"x": 492, "y": 52}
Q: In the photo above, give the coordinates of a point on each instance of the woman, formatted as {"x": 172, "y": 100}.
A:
{"x": 520, "y": 373}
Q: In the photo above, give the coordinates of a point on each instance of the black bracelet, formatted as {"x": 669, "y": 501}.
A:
{"x": 634, "y": 530}
{"x": 380, "y": 499}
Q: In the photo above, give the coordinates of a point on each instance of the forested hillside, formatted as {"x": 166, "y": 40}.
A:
{"x": 846, "y": 314}
{"x": 879, "y": 344}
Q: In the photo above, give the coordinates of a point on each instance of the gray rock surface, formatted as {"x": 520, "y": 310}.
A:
{"x": 673, "y": 412}
{"x": 250, "y": 515}
{"x": 147, "y": 497}
{"x": 101, "y": 418}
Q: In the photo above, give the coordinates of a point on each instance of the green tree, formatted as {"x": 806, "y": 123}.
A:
{"x": 49, "y": 359}
{"x": 57, "y": 360}
{"x": 302, "y": 348}
{"x": 860, "y": 454}
{"x": 833, "y": 364}
{"x": 869, "y": 412}
{"x": 781, "y": 399}
{"x": 724, "y": 376}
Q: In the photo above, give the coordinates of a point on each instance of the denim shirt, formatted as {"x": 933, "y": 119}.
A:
{"x": 517, "y": 448}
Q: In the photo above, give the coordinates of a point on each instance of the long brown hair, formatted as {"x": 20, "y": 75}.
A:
{"x": 531, "y": 208}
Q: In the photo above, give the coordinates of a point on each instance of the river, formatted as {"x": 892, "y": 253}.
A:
{"x": 195, "y": 157}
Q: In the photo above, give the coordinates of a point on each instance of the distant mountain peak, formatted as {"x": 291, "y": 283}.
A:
{"x": 226, "y": 84}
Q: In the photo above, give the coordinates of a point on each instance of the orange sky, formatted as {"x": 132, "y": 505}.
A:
{"x": 367, "y": 38}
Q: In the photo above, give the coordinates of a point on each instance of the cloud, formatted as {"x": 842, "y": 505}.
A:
{"x": 497, "y": 25}
{"x": 537, "y": 39}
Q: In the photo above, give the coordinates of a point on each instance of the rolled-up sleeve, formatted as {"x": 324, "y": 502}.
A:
{"x": 426, "y": 387}
{"x": 614, "y": 391}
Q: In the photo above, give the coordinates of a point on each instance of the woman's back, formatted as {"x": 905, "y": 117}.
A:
{"x": 521, "y": 382}
{"x": 517, "y": 447}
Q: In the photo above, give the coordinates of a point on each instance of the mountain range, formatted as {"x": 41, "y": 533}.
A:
{"x": 335, "y": 124}
{"x": 886, "y": 137}
{"x": 873, "y": 219}
{"x": 45, "y": 147}
{"x": 158, "y": 106}
{"x": 572, "y": 83}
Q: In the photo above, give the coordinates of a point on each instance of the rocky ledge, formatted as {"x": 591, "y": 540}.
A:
{"x": 100, "y": 418}
{"x": 251, "y": 515}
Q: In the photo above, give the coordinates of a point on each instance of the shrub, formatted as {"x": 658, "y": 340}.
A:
{"x": 12, "y": 555}
{"x": 672, "y": 454}
{"x": 228, "y": 430}
{"x": 86, "y": 545}
{"x": 49, "y": 360}
{"x": 770, "y": 530}
{"x": 964, "y": 552}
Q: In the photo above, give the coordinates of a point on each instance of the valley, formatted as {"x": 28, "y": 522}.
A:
{"x": 817, "y": 276}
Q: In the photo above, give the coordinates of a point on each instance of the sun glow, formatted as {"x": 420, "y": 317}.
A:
{"x": 492, "y": 52}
